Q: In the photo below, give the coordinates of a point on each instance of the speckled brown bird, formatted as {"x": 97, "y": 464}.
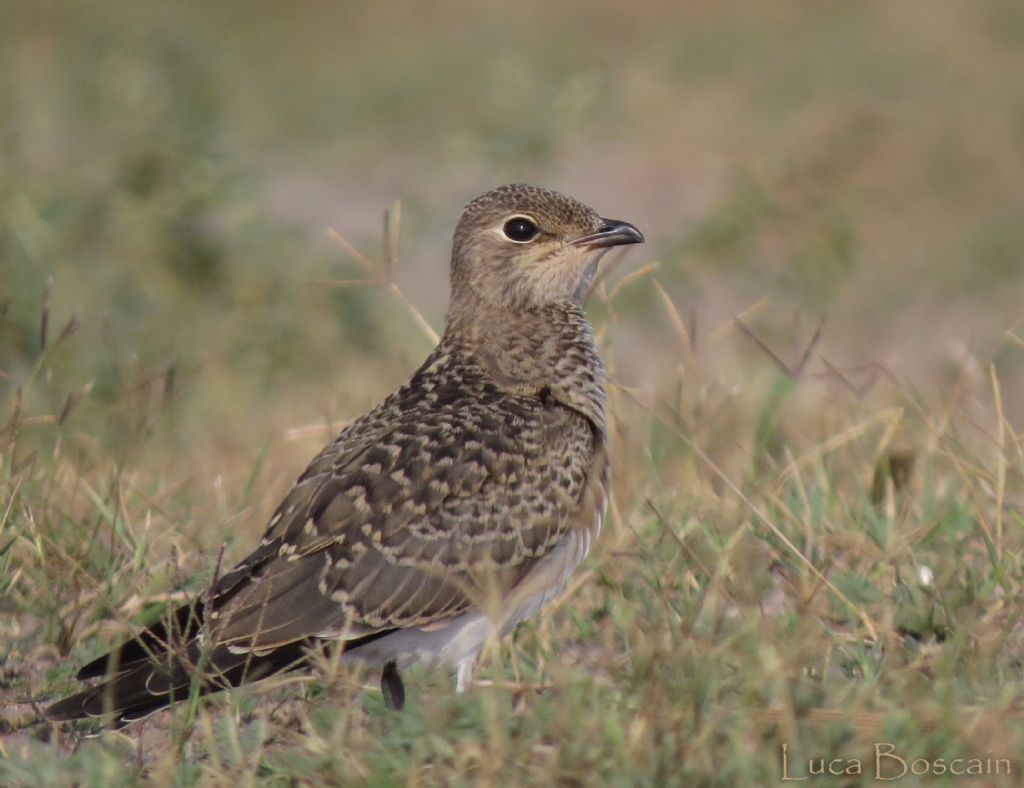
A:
{"x": 447, "y": 514}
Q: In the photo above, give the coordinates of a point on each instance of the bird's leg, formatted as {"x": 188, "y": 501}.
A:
{"x": 464, "y": 675}
{"x": 392, "y": 687}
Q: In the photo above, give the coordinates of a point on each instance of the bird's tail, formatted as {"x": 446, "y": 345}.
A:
{"x": 140, "y": 688}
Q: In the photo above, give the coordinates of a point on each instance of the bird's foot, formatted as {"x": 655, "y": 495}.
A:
{"x": 464, "y": 675}
{"x": 392, "y": 687}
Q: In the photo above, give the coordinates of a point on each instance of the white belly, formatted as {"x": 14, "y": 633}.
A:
{"x": 459, "y": 642}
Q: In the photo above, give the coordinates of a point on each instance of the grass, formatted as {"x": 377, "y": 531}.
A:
{"x": 816, "y": 533}
{"x": 767, "y": 576}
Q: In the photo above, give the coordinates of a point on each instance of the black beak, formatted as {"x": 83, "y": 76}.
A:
{"x": 612, "y": 232}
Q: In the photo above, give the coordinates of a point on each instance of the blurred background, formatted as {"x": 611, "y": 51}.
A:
{"x": 173, "y": 169}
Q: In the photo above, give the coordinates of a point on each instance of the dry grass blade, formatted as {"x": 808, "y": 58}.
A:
{"x": 421, "y": 321}
{"x": 364, "y": 262}
{"x": 815, "y": 339}
{"x": 1001, "y": 457}
{"x": 747, "y": 314}
{"x": 349, "y": 282}
{"x": 392, "y": 237}
{"x": 614, "y": 260}
{"x": 320, "y": 430}
{"x": 392, "y": 222}
{"x": 860, "y": 391}
{"x": 782, "y": 365}
{"x": 674, "y": 318}
{"x": 631, "y": 277}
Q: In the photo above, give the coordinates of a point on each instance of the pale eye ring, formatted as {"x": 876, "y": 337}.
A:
{"x": 521, "y": 229}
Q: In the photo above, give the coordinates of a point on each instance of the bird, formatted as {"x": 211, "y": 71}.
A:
{"x": 444, "y": 516}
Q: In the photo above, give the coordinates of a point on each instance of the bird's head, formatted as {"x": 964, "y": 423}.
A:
{"x": 522, "y": 247}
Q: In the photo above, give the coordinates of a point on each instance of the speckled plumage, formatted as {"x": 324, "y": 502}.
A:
{"x": 449, "y": 512}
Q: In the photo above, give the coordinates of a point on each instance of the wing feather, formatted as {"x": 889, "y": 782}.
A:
{"x": 421, "y": 525}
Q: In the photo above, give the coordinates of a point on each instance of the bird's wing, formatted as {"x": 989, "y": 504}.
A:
{"x": 407, "y": 519}
{"x": 449, "y": 507}
{"x": 446, "y": 509}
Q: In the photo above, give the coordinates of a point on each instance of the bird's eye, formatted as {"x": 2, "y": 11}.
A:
{"x": 520, "y": 229}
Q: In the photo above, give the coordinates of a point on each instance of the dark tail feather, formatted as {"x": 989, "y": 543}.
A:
{"x": 143, "y": 677}
{"x": 148, "y": 687}
{"x": 180, "y": 627}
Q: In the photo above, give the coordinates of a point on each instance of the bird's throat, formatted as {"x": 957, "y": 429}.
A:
{"x": 550, "y": 348}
